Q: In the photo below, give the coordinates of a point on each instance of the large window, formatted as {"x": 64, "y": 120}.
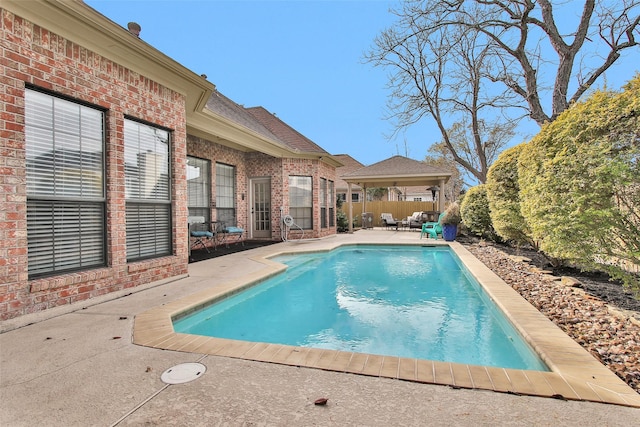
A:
{"x": 226, "y": 194}
{"x": 301, "y": 200}
{"x": 323, "y": 203}
{"x": 199, "y": 187}
{"x": 65, "y": 185}
{"x": 148, "y": 193}
{"x": 332, "y": 204}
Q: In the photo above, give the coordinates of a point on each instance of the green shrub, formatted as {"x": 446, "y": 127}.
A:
{"x": 475, "y": 212}
{"x": 580, "y": 184}
{"x": 342, "y": 222}
{"x": 503, "y": 194}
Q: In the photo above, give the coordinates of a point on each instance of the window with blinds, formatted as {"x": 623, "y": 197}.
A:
{"x": 323, "y": 202}
{"x": 332, "y": 204}
{"x": 199, "y": 188}
{"x": 147, "y": 191}
{"x": 301, "y": 200}
{"x": 226, "y": 194}
{"x": 64, "y": 143}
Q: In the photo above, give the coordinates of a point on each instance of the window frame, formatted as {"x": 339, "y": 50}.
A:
{"x": 301, "y": 212}
{"x": 199, "y": 189}
{"x": 323, "y": 202}
{"x": 148, "y": 213}
{"x": 226, "y": 195}
{"x": 332, "y": 204}
{"x": 66, "y": 193}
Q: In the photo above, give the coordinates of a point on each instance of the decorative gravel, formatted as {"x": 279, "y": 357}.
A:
{"x": 610, "y": 333}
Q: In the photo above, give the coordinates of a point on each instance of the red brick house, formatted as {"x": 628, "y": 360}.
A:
{"x": 108, "y": 146}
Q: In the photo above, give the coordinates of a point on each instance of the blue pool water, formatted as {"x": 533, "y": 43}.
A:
{"x": 406, "y": 301}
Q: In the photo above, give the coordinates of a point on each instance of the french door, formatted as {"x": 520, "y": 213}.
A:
{"x": 261, "y": 208}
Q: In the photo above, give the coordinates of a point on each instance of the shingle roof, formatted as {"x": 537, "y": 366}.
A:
{"x": 350, "y": 165}
{"x": 285, "y": 133}
{"x": 225, "y": 107}
{"x": 398, "y": 166}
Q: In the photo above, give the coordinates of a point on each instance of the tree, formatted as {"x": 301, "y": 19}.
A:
{"x": 440, "y": 157}
{"x": 481, "y": 65}
{"x": 503, "y": 193}
{"x": 474, "y": 210}
{"x": 445, "y": 75}
{"x": 376, "y": 193}
{"x": 579, "y": 184}
{"x": 475, "y": 147}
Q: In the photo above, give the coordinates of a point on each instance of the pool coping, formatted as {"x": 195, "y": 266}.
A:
{"x": 574, "y": 375}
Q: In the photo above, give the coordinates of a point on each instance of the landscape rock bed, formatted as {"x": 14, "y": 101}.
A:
{"x": 611, "y": 333}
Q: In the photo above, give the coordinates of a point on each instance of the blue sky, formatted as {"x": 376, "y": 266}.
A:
{"x": 300, "y": 59}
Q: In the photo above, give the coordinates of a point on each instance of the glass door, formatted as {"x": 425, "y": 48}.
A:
{"x": 261, "y": 208}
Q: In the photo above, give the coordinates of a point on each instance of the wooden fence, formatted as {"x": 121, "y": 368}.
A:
{"x": 399, "y": 210}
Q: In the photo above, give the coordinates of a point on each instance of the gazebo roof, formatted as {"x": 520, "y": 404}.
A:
{"x": 397, "y": 171}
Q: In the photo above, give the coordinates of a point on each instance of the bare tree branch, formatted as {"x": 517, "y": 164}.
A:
{"x": 526, "y": 35}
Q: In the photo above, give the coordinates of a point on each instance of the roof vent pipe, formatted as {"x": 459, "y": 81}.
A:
{"x": 134, "y": 28}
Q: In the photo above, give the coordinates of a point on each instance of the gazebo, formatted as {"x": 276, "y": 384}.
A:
{"x": 396, "y": 171}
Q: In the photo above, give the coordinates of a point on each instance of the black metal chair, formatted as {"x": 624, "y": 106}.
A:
{"x": 200, "y": 232}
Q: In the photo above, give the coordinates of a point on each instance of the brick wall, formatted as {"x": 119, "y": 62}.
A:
{"x": 259, "y": 165}
{"x": 33, "y": 55}
{"x": 316, "y": 169}
{"x": 214, "y": 152}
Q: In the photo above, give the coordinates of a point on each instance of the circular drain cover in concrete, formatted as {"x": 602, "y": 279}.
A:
{"x": 183, "y": 373}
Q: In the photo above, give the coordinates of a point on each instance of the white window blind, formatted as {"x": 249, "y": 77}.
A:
{"x": 323, "y": 202}
{"x": 199, "y": 187}
{"x": 332, "y": 204}
{"x": 301, "y": 200}
{"x": 147, "y": 188}
{"x": 226, "y": 194}
{"x": 65, "y": 185}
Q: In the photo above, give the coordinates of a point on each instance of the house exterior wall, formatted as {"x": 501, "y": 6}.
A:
{"x": 34, "y": 56}
{"x": 217, "y": 153}
{"x": 37, "y": 58}
{"x": 316, "y": 169}
{"x": 259, "y": 165}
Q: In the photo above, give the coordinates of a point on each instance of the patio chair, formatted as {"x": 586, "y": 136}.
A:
{"x": 388, "y": 221}
{"x": 200, "y": 232}
{"x": 415, "y": 220}
{"x": 228, "y": 234}
{"x": 432, "y": 228}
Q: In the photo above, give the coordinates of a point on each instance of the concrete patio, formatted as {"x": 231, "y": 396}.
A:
{"x": 76, "y": 366}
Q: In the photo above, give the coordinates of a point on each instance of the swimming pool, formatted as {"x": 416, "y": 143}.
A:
{"x": 405, "y": 301}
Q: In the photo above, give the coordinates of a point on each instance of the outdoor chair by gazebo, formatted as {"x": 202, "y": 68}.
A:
{"x": 388, "y": 221}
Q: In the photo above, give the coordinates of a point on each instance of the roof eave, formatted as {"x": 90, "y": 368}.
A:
{"x": 214, "y": 127}
{"x": 396, "y": 180}
{"x": 81, "y": 24}
{"x": 321, "y": 156}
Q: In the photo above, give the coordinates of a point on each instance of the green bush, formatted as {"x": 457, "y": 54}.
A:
{"x": 475, "y": 212}
{"x": 503, "y": 194}
{"x": 580, "y": 184}
{"x": 342, "y": 222}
